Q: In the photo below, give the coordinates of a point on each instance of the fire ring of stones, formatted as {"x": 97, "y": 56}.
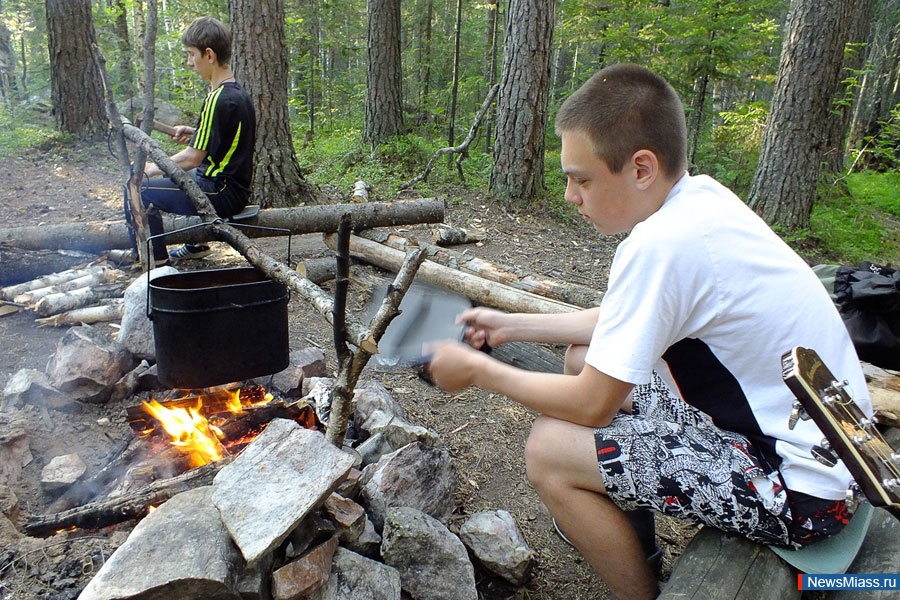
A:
{"x": 290, "y": 516}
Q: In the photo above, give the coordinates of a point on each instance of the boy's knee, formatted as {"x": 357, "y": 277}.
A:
{"x": 540, "y": 452}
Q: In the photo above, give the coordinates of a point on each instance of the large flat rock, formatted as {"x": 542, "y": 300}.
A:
{"x": 274, "y": 483}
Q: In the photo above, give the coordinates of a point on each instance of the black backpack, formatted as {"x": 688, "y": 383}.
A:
{"x": 868, "y": 298}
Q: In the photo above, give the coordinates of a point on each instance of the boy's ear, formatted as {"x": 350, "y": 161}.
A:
{"x": 646, "y": 168}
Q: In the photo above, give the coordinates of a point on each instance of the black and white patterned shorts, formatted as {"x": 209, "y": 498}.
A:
{"x": 669, "y": 457}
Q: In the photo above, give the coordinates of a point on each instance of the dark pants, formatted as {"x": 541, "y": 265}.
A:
{"x": 163, "y": 195}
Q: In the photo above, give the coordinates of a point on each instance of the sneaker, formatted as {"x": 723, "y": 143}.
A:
{"x": 189, "y": 251}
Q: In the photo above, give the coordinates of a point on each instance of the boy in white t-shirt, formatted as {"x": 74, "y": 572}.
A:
{"x": 703, "y": 299}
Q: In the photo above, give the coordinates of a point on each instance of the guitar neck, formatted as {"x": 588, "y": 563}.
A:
{"x": 852, "y": 435}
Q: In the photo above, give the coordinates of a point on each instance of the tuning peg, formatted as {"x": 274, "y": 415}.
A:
{"x": 825, "y": 454}
{"x": 853, "y": 497}
{"x": 797, "y": 413}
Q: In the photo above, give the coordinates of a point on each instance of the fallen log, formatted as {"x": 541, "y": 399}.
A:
{"x": 19, "y": 266}
{"x": 100, "y": 276}
{"x": 102, "y": 313}
{"x": 127, "y": 506}
{"x": 475, "y": 288}
{"x": 98, "y": 237}
{"x": 317, "y": 270}
{"x": 53, "y": 279}
{"x": 73, "y": 299}
{"x": 453, "y": 236}
{"x": 514, "y": 277}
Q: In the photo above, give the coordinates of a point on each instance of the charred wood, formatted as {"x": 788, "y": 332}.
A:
{"x": 131, "y": 505}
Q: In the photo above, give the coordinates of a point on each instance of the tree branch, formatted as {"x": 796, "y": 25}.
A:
{"x": 462, "y": 149}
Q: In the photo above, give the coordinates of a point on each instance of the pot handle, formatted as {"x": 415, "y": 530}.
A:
{"x": 149, "y": 253}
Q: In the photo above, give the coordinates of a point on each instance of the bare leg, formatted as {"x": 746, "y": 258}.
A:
{"x": 561, "y": 462}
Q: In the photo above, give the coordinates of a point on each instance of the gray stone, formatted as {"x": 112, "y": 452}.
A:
{"x": 274, "y": 483}
{"x": 497, "y": 543}
{"x": 433, "y": 563}
{"x": 86, "y": 364}
{"x": 62, "y": 471}
{"x": 29, "y": 386}
{"x": 136, "y": 333}
{"x": 305, "y": 363}
{"x": 370, "y": 396}
{"x": 374, "y": 448}
{"x": 416, "y": 475}
{"x": 15, "y": 453}
{"x": 368, "y": 543}
{"x": 396, "y": 430}
{"x": 180, "y": 550}
{"x": 355, "y": 577}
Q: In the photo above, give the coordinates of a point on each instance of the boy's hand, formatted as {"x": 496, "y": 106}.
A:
{"x": 484, "y": 327}
{"x": 182, "y": 134}
{"x": 453, "y": 365}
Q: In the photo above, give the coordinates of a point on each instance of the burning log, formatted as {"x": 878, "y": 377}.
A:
{"x": 127, "y": 506}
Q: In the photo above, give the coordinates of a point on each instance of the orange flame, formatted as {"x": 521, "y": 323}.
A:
{"x": 190, "y": 431}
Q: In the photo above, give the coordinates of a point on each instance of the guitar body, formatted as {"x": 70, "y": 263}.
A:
{"x": 851, "y": 434}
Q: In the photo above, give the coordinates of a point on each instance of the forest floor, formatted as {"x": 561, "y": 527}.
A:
{"x": 485, "y": 432}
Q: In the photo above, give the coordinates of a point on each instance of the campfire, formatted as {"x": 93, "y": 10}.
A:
{"x": 206, "y": 427}
{"x": 175, "y": 442}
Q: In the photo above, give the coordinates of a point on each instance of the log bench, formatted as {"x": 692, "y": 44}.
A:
{"x": 719, "y": 566}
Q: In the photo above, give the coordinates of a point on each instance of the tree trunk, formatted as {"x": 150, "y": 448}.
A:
{"x": 857, "y": 28}
{"x": 490, "y": 66}
{"x": 518, "y": 169}
{"x": 126, "y": 61}
{"x": 260, "y": 64}
{"x": 7, "y": 63}
{"x": 423, "y": 59}
{"x": 384, "y": 83}
{"x": 75, "y": 81}
{"x": 784, "y": 186}
{"x": 454, "y": 88}
{"x": 878, "y": 94}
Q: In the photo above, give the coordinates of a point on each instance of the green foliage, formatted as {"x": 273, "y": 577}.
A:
{"x": 732, "y": 154}
{"x": 880, "y": 151}
{"x": 877, "y": 190}
{"x": 851, "y": 227}
{"x": 19, "y": 132}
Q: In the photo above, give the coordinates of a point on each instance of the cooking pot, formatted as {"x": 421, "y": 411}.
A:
{"x": 218, "y": 326}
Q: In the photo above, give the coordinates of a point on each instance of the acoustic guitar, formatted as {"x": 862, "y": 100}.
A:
{"x": 849, "y": 433}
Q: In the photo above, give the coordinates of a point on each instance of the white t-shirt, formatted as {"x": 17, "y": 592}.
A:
{"x": 704, "y": 292}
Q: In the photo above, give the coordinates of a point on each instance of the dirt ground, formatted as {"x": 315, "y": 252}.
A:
{"x": 486, "y": 432}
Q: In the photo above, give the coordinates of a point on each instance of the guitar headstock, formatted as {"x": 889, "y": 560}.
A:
{"x": 848, "y": 430}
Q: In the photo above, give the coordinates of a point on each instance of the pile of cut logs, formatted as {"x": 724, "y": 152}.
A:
{"x": 89, "y": 294}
